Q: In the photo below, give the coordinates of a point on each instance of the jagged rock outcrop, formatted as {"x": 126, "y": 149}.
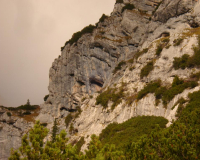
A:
{"x": 85, "y": 68}
{"x": 12, "y": 128}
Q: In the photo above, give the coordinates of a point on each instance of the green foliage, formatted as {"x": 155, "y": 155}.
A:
{"x": 178, "y": 86}
{"x": 71, "y": 128}
{"x": 77, "y": 35}
{"x": 181, "y": 62}
{"x": 78, "y": 112}
{"x": 159, "y": 50}
{"x": 80, "y": 143}
{"x": 33, "y": 147}
{"x": 54, "y": 131}
{"x": 178, "y": 41}
{"x": 68, "y": 119}
{"x": 83, "y": 99}
{"x": 119, "y": 66}
{"x": 130, "y": 130}
{"x": 181, "y": 101}
{"x": 138, "y": 54}
{"x": 28, "y": 103}
{"x": 150, "y": 88}
{"x": 146, "y": 69}
{"x": 103, "y": 17}
{"x": 9, "y": 114}
{"x": 187, "y": 61}
{"x": 114, "y": 95}
{"x": 46, "y": 97}
{"x": 119, "y": 1}
{"x": 27, "y": 113}
{"x": 128, "y": 7}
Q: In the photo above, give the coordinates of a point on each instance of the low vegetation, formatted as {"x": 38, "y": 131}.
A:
{"x": 46, "y": 97}
{"x": 131, "y": 130}
{"x": 167, "y": 94}
{"x": 178, "y": 41}
{"x": 128, "y": 7}
{"x": 77, "y": 35}
{"x": 68, "y": 119}
{"x": 79, "y": 144}
{"x": 119, "y": 1}
{"x": 146, "y": 69}
{"x": 9, "y": 114}
{"x": 119, "y": 66}
{"x": 150, "y": 88}
{"x": 138, "y": 138}
{"x": 102, "y": 19}
{"x": 187, "y": 61}
{"x": 159, "y": 50}
{"x": 111, "y": 95}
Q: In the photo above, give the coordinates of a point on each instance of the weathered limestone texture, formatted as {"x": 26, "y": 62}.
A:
{"x": 85, "y": 68}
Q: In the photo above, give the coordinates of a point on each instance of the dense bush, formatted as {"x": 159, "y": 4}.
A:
{"x": 128, "y": 7}
{"x": 130, "y": 130}
{"x": 103, "y": 17}
{"x": 150, "y": 88}
{"x": 27, "y": 113}
{"x": 146, "y": 69}
{"x": 187, "y": 61}
{"x": 111, "y": 94}
{"x": 68, "y": 119}
{"x": 159, "y": 50}
{"x": 119, "y": 66}
{"x": 119, "y": 1}
{"x": 9, "y": 114}
{"x": 137, "y": 138}
{"x": 34, "y": 148}
{"x": 178, "y": 41}
{"x": 80, "y": 143}
{"x": 46, "y": 97}
{"x": 178, "y": 86}
{"x": 181, "y": 62}
{"x": 77, "y": 35}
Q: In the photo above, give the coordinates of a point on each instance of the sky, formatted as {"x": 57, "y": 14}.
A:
{"x": 31, "y": 34}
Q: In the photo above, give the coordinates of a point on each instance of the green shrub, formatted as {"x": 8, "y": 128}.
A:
{"x": 77, "y": 35}
{"x": 71, "y": 128}
{"x": 130, "y": 130}
{"x": 46, "y": 97}
{"x": 159, "y": 50}
{"x": 178, "y": 86}
{"x": 28, "y": 107}
{"x": 181, "y": 62}
{"x": 27, "y": 113}
{"x": 68, "y": 119}
{"x": 80, "y": 143}
{"x": 9, "y": 114}
{"x": 150, "y": 88}
{"x": 187, "y": 61}
{"x": 119, "y": 1}
{"x": 178, "y": 41}
{"x": 119, "y": 66}
{"x": 128, "y": 7}
{"x": 103, "y": 17}
{"x": 83, "y": 99}
{"x": 146, "y": 69}
{"x": 44, "y": 124}
{"x": 110, "y": 94}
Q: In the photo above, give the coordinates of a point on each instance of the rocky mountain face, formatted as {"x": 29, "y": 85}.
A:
{"x": 139, "y": 35}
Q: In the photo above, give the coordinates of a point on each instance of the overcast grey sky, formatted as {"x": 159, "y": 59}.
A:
{"x": 31, "y": 34}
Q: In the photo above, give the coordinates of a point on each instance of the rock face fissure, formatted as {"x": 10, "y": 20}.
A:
{"x": 112, "y": 56}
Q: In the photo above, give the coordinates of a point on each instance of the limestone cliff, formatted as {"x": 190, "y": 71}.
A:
{"x": 89, "y": 67}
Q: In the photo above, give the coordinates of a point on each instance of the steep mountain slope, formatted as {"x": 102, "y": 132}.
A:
{"x": 101, "y": 76}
